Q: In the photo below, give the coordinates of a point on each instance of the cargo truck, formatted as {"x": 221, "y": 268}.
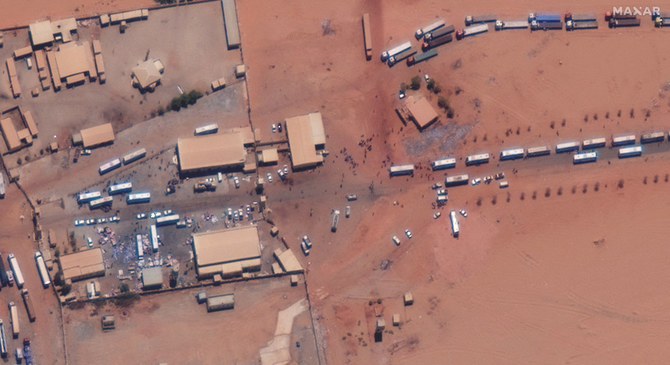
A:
{"x": 511, "y": 24}
{"x": 437, "y": 42}
{"x": 14, "y": 319}
{"x": 412, "y": 60}
{"x": 455, "y": 229}
{"x": 367, "y": 36}
{"x": 618, "y": 23}
{"x": 439, "y": 23}
{"x": 474, "y": 19}
{"x": 439, "y": 33}
{"x": 535, "y": 25}
{"x": 544, "y": 17}
{"x": 401, "y": 56}
{"x": 335, "y": 218}
{"x": 471, "y": 30}
{"x": 42, "y": 270}
{"x": 395, "y": 50}
{"x": 580, "y": 17}
{"x": 14, "y": 265}
{"x": 572, "y": 25}
{"x": 29, "y": 305}
{"x": 661, "y": 22}
{"x": 3, "y": 340}
{"x": 609, "y": 16}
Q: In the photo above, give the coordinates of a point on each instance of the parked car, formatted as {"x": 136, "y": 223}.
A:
{"x": 155, "y": 214}
{"x": 437, "y": 185}
{"x": 476, "y": 181}
{"x": 307, "y": 241}
{"x": 463, "y": 212}
{"x": 305, "y": 249}
{"x": 436, "y": 215}
{"x": 10, "y": 277}
{"x": 114, "y": 218}
{"x": 90, "y": 222}
{"x": 269, "y": 176}
{"x": 141, "y": 216}
{"x": 408, "y": 233}
{"x": 79, "y": 222}
{"x": 236, "y": 181}
{"x": 426, "y": 77}
{"x": 89, "y": 241}
{"x": 102, "y": 220}
{"x": 396, "y": 240}
{"x": 401, "y": 95}
{"x": 279, "y": 127}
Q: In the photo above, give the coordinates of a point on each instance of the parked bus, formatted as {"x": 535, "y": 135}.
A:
{"x": 594, "y": 143}
{"x": 98, "y": 203}
{"x": 632, "y": 151}
{"x": 455, "y": 229}
{"x": 140, "y": 246}
{"x": 88, "y": 196}
{"x": 511, "y": 154}
{"x": 14, "y": 265}
{"x": 397, "y": 170}
{"x": 567, "y": 147}
{"x": 3, "y": 340}
{"x": 153, "y": 234}
{"x": 443, "y": 163}
{"x": 456, "y": 180}
{"x": 42, "y": 269}
{"x": 167, "y": 220}
{"x": 109, "y": 166}
{"x": 206, "y": 129}
{"x": 134, "y": 156}
{"x": 120, "y": 188}
{"x": 623, "y": 140}
{"x": 477, "y": 159}
{"x": 14, "y": 319}
{"x": 652, "y": 137}
{"x": 538, "y": 151}
{"x": 584, "y": 157}
{"x": 136, "y": 198}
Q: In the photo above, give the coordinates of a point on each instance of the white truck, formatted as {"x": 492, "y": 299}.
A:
{"x": 14, "y": 265}
{"x": 439, "y": 23}
{"x": 395, "y": 50}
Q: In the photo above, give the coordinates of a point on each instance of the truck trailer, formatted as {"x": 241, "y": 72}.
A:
{"x": 544, "y": 17}
{"x": 395, "y": 50}
{"x": 619, "y": 23}
{"x": 28, "y": 302}
{"x": 572, "y": 25}
{"x": 42, "y": 270}
{"x": 471, "y": 30}
{"x": 412, "y": 60}
{"x": 437, "y": 42}
{"x": 334, "y": 220}
{"x": 594, "y": 143}
{"x": 3, "y": 341}
{"x": 14, "y": 319}
{"x": 511, "y": 24}
{"x": 441, "y": 32}
{"x": 109, "y": 166}
{"x": 400, "y": 56}
{"x": 580, "y": 17}
{"x": 535, "y": 25}
{"x": 455, "y": 229}
{"x": 367, "y": 36}
{"x": 439, "y": 23}
{"x": 134, "y": 156}
{"x": 206, "y": 129}
{"x": 2, "y": 185}
{"x": 474, "y": 19}
{"x": 14, "y": 265}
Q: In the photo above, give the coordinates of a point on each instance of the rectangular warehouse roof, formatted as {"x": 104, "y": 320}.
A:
{"x": 227, "y": 251}
{"x": 73, "y": 58}
{"x": 82, "y": 265}
{"x": 152, "y": 278}
{"x": 97, "y": 135}
{"x": 223, "y": 150}
{"x": 301, "y": 139}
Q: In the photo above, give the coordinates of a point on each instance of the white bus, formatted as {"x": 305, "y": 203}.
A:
{"x": 134, "y": 156}
{"x": 88, "y": 196}
{"x": 652, "y": 137}
{"x": 567, "y": 147}
{"x": 477, "y": 159}
{"x": 455, "y": 229}
{"x": 120, "y": 188}
{"x": 538, "y": 151}
{"x": 397, "y": 170}
{"x": 167, "y": 220}
{"x": 511, "y": 154}
{"x": 101, "y": 202}
{"x": 136, "y": 198}
{"x": 109, "y": 166}
{"x": 594, "y": 143}
{"x": 14, "y": 265}
{"x": 623, "y": 140}
{"x": 42, "y": 269}
{"x": 456, "y": 180}
{"x": 632, "y": 151}
{"x": 154, "y": 237}
{"x": 584, "y": 157}
{"x": 206, "y": 129}
{"x": 140, "y": 246}
{"x": 444, "y": 163}
{"x": 14, "y": 319}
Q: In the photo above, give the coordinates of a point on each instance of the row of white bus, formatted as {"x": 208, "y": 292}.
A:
{"x": 96, "y": 200}
{"x": 631, "y": 149}
{"x": 116, "y": 163}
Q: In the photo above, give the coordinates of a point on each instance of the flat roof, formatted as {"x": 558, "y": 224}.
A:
{"x": 82, "y": 264}
{"x": 422, "y": 112}
{"x": 41, "y": 33}
{"x": 226, "y": 246}
{"x": 30, "y": 122}
{"x": 318, "y": 133}
{"x": 270, "y": 155}
{"x": 152, "y": 277}
{"x": 301, "y": 142}
{"x": 74, "y": 58}
{"x": 288, "y": 261}
{"x": 10, "y": 134}
{"x": 211, "y": 151}
{"x": 97, "y": 135}
{"x": 147, "y": 73}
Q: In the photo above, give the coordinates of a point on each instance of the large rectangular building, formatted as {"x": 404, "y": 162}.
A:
{"x": 420, "y": 111}
{"x": 224, "y": 151}
{"x": 227, "y": 252}
{"x": 82, "y": 265}
{"x": 305, "y": 135}
{"x": 94, "y": 136}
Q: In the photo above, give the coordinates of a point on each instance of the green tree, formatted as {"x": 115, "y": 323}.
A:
{"x": 416, "y": 83}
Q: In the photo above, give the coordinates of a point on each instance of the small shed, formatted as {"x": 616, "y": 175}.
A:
{"x": 380, "y": 324}
{"x": 152, "y": 278}
{"x": 269, "y": 156}
{"x": 108, "y": 322}
{"x": 221, "y": 302}
{"x": 396, "y": 319}
{"x": 201, "y": 297}
{"x": 408, "y": 298}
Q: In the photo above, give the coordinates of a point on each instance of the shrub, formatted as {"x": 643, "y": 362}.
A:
{"x": 415, "y": 83}
{"x": 124, "y": 288}
{"x": 403, "y": 86}
{"x": 430, "y": 84}
{"x": 442, "y": 102}
{"x": 160, "y": 110}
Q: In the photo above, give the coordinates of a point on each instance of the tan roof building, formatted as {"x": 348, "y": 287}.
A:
{"x": 40, "y": 33}
{"x": 227, "y": 252}
{"x": 287, "y": 260}
{"x": 269, "y": 156}
{"x": 82, "y": 264}
{"x": 214, "y": 151}
{"x": 10, "y": 134}
{"x": 305, "y": 134}
{"x": 74, "y": 58}
{"x": 420, "y": 111}
{"x": 95, "y": 136}
{"x": 147, "y": 74}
